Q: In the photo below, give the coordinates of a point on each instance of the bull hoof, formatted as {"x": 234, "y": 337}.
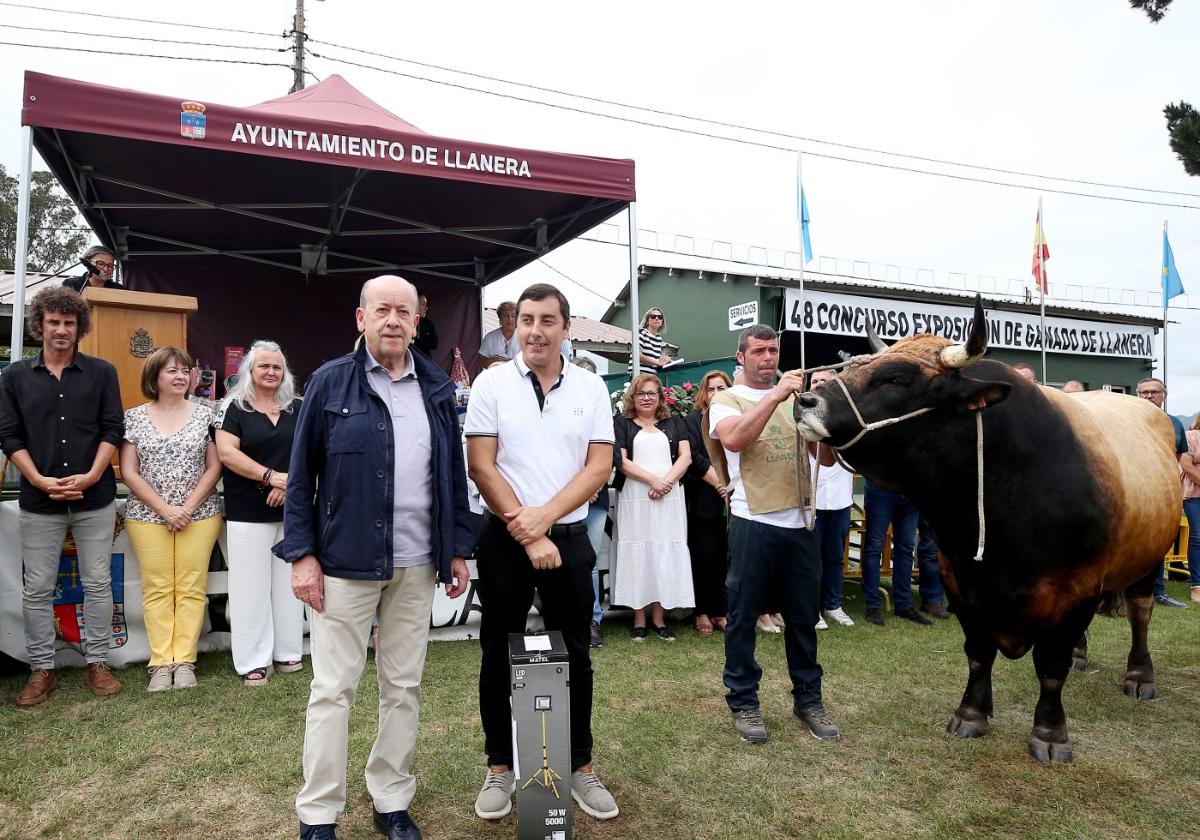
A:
{"x": 961, "y": 727}
{"x": 1045, "y": 752}
{"x": 1139, "y": 690}
{"x": 1079, "y": 663}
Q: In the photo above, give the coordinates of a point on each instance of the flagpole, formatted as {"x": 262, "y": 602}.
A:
{"x": 1042, "y": 285}
{"x": 800, "y": 240}
{"x": 1163, "y": 283}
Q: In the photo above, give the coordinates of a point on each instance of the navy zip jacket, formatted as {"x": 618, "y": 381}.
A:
{"x": 341, "y": 476}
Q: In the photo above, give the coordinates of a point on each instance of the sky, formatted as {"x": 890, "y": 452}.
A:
{"x": 1073, "y": 89}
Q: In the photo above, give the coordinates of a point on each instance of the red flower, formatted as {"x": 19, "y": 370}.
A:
{"x": 671, "y": 401}
{"x": 689, "y": 385}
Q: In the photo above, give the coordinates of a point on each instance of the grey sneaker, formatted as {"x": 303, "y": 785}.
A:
{"x": 185, "y": 674}
{"x": 749, "y": 725}
{"x": 597, "y": 641}
{"x": 160, "y": 679}
{"x": 495, "y": 797}
{"x": 820, "y": 724}
{"x": 592, "y": 796}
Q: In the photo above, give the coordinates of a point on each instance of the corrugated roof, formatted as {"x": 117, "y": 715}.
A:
{"x": 583, "y": 329}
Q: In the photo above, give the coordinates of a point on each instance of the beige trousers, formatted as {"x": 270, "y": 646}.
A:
{"x": 339, "y": 651}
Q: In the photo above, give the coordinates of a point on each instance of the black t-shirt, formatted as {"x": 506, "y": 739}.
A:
{"x": 269, "y": 445}
{"x": 76, "y": 284}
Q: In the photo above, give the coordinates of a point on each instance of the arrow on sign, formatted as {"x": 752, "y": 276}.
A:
{"x": 749, "y": 319}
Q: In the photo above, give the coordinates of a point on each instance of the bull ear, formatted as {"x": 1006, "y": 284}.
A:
{"x": 971, "y": 394}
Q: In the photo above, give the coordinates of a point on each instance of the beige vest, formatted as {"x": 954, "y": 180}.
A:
{"x": 771, "y": 476}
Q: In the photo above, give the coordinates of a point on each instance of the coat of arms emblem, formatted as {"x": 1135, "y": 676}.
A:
{"x": 140, "y": 344}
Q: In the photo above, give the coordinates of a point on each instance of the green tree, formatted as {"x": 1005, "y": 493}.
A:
{"x": 54, "y": 235}
{"x": 1154, "y": 9}
{"x": 1183, "y": 126}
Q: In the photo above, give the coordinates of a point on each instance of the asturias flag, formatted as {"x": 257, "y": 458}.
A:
{"x": 1041, "y": 253}
{"x": 1172, "y": 285}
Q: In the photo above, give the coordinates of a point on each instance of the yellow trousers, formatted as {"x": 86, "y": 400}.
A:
{"x": 174, "y": 569}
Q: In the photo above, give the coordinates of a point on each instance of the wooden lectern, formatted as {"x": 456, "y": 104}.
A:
{"x": 127, "y": 326}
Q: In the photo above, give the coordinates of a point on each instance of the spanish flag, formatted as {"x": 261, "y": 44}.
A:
{"x": 1041, "y": 253}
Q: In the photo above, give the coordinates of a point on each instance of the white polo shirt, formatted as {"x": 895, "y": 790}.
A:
{"x": 540, "y": 448}
{"x": 835, "y": 488}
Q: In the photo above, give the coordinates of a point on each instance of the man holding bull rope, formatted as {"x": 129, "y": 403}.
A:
{"x": 772, "y": 549}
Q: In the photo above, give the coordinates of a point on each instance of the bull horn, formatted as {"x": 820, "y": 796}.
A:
{"x": 877, "y": 345}
{"x": 963, "y": 355}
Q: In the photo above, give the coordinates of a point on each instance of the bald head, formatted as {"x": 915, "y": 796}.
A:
{"x": 391, "y": 281}
{"x": 387, "y": 317}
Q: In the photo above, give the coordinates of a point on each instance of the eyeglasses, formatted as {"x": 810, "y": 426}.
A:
{"x": 654, "y": 317}
{"x": 99, "y": 264}
{"x": 646, "y": 395}
{"x": 1153, "y": 393}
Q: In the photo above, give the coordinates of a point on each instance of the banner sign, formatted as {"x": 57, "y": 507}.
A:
{"x": 836, "y": 314}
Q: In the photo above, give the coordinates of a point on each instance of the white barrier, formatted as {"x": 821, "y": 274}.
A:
{"x": 451, "y": 619}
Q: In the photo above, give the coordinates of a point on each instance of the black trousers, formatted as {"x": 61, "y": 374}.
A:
{"x": 507, "y": 581}
{"x": 709, "y": 549}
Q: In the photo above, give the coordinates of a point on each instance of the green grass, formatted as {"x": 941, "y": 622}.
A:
{"x": 223, "y": 761}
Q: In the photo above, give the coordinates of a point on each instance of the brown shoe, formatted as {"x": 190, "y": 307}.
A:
{"x": 41, "y": 682}
{"x": 936, "y": 610}
{"x": 101, "y": 679}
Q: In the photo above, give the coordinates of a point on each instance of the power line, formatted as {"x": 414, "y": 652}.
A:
{"x": 571, "y": 279}
{"x": 146, "y": 55}
{"x": 754, "y": 129}
{"x": 755, "y": 143}
{"x": 107, "y": 36}
{"x": 124, "y": 19}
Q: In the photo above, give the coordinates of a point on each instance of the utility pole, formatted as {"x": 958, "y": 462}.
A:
{"x": 298, "y": 32}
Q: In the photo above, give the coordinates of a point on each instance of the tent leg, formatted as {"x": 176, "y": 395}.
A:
{"x": 17, "y": 340}
{"x": 635, "y": 349}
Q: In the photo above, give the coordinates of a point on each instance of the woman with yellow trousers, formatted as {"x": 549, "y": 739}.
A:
{"x": 170, "y": 465}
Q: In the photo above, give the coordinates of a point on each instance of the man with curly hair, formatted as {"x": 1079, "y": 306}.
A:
{"x": 60, "y": 423}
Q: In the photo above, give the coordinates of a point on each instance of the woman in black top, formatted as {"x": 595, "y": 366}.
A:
{"x": 706, "y": 529}
{"x": 254, "y": 440}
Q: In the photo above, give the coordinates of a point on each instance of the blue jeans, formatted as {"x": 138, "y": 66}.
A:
{"x": 1191, "y": 509}
{"x": 781, "y": 564}
{"x": 597, "y": 515}
{"x": 833, "y": 527}
{"x": 930, "y": 584}
{"x": 883, "y": 508}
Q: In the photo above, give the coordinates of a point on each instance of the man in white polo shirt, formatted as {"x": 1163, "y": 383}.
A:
{"x": 539, "y": 445}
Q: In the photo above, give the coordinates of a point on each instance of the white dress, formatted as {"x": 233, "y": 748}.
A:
{"x": 652, "y": 559}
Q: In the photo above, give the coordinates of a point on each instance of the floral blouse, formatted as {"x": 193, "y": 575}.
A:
{"x": 171, "y": 464}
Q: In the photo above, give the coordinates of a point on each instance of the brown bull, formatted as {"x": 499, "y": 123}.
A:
{"x": 1080, "y": 496}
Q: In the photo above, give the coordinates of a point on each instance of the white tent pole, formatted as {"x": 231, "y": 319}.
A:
{"x": 635, "y": 348}
{"x": 800, "y": 231}
{"x": 17, "y": 340}
{"x": 1163, "y": 282}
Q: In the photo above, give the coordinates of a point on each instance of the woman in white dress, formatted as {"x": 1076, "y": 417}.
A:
{"x": 653, "y": 566}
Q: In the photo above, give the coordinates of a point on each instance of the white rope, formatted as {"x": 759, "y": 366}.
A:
{"x": 979, "y": 481}
{"x": 891, "y": 421}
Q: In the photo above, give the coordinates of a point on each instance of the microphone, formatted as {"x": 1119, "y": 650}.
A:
{"x": 90, "y": 266}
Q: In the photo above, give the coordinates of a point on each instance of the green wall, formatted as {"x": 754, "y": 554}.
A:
{"x": 697, "y": 310}
{"x": 697, "y": 313}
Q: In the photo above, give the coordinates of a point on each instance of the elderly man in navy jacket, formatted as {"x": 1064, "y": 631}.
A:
{"x": 376, "y": 511}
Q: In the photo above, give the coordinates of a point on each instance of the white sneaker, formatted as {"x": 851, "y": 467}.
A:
{"x": 821, "y": 625}
{"x": 839, "y": 615}
{"x": 495, "y": 798}
{"x": 160, "y": 679}
{"x": 592, "y": 796}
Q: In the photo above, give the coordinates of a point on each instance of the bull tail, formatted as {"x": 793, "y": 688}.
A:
{"x": 1112, "y": 604}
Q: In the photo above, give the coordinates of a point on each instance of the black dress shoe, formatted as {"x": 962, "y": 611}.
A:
{"x": 875, "y": 616}
{"x": 396, "y": 825}
{"x": 912, "y": 615}
{"x": 325, "y": 831}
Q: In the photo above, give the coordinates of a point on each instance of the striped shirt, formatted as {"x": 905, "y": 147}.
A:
{"x": 650, "y": 345}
